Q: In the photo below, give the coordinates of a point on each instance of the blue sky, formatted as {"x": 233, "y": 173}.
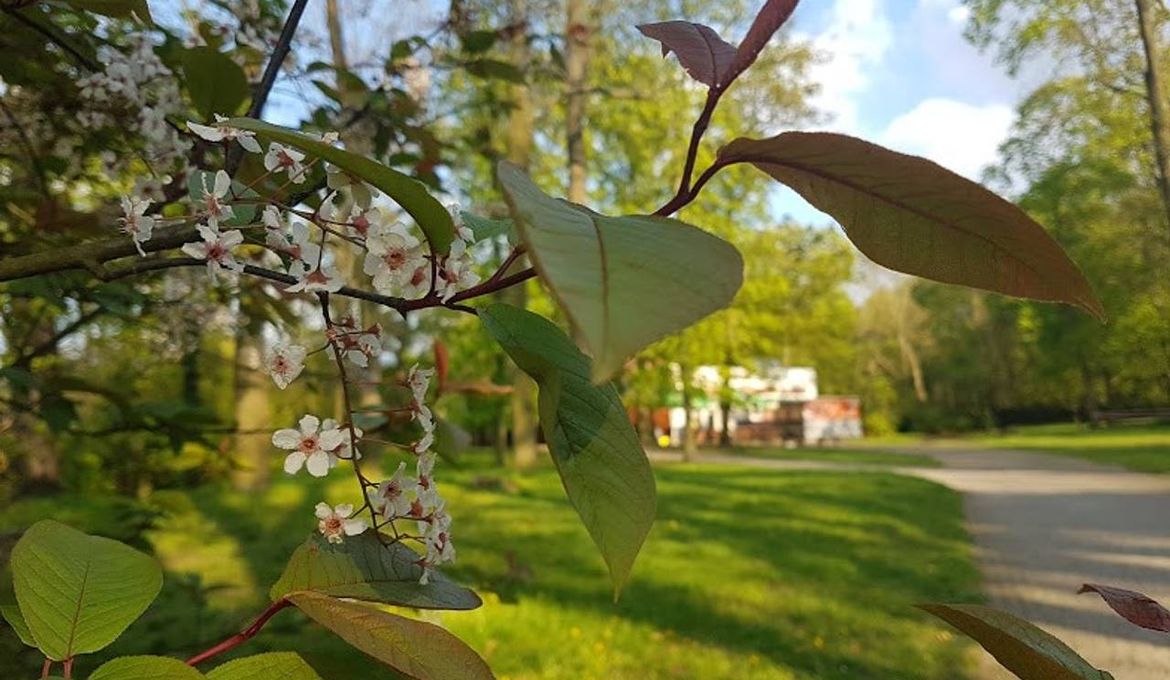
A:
{"x": 897, "y": 72}
{"x": 900, "y": 73}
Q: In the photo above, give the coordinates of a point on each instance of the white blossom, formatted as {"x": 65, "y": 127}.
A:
{"x": 285, "y": 363}
{"x": 392, "y": 258}
{"x": 310, "y": 446}
{"x": 436, "y": 531}
{"x": 336, "y": 522}
{"x": 214, "y": 206}
{"x": 325, "y": 278}
{"x": 216, "y": 248}
{"x": 390, "y": 499}
{"x": 282, "y": 158}
{"x": 221, "y": 131}
{"x": 346, "y": 450}
{"x": 419, "y": 381}
{"x": 135, "y": 222}
{"x": 350, "y": 187}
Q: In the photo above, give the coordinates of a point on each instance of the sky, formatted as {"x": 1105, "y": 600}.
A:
{"x": 896, "y": 72}
{"x": 900, "y": 73}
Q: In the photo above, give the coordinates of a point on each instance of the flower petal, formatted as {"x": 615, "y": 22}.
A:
{"x": 343, "y": 510}
{"x": 322, "y": 511}
{"x": 309, "y": 424}
{"x": 286, "y": 438}
{"x": 222, "y": 183}
{"x": 318, "y": 464}
{"x": 293, "y": 462}
{"x": 353, "y": 527}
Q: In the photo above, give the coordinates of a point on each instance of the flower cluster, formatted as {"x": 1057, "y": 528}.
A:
{"x": 318, "y": 445}
{"x": 417, "y": 498}
{"x": 136, "y": 93}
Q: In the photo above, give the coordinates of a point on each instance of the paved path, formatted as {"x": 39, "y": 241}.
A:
{"x": 1045, "y": 524}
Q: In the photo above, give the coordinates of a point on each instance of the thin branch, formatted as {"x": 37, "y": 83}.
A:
{"x": 277, "y": 59}
{"x": 57, "y": 40}
{"x": 271, "y": 71}
{"x": 33, "y": 157}
{"x": 684, "y": 194}
{"x": 241, "y": 637}
{"x": 51, "y": 344}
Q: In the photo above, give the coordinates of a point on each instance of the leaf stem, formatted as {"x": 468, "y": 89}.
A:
{"x": 241, "y": 637}
{"x": 686, "y": 193}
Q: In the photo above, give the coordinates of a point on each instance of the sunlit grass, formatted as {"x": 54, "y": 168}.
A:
{"x": 834, "y": 454}
{"x": 1143, "y": 448}
{"x": 747, "y": 574}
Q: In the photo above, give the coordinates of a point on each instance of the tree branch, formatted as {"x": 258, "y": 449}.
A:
{"x": 271, "y": 70}
{"x": 57, "y": 40}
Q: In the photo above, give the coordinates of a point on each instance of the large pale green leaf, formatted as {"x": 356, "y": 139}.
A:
{"x": 408, "y": 192}
{"x": 1022, "y": 648}
{"x": 79, "y": 592}
{"x": 624, "y": 282}
{"x": 914, "y": 216}
{"x": 601, "y": 462}
{"x": 271, "y": 666}
{"x": 215, "y": 82}
{"x": 145, "y": 668}
{"x": 15, "y": 619}
{"x": 419, "y": 650}
{"x": 363, "y": 568}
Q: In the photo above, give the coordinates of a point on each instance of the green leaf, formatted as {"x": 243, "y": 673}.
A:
{"x": 478, "y": 41}
{"x": 414, "y": 648}
{"x": 495, "y": 69}
{"x": 485, "y": 228}
{"x": 914, "y": 216}
{"x": 79, "y": 592}
{"x": 412, "y": 195}
{"x": 215, "y": 82}
{"x": 271, "y": 666}
{"x": 602, "y": 465}
{"x": 118, "y": 9}
{"x": 450, "y": 439}
{"x": 1022, "y": 648}
{"x": 624, "y": 282}
{"x": 363, "y": 568}
{"x": 15, "y": 619}
{"x": 145, "y": 668}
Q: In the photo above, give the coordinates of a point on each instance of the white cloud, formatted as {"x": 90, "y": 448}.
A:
{"x": 855, "y": 41}
{"x": 959, "y": 136}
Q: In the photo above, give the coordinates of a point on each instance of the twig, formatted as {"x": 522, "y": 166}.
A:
{"x": 241, "y": 637}
{"x": 685, "y": 194}
{"x": 54, "y": 38}
{"x": 271, "y": 71}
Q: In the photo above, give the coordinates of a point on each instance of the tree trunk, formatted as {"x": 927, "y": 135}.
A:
{"x": 519, "y": 152}
{"x": 577, "y": 51}
{"x": 253, "y": 450}
{"x": 689, "y": 447}
{"x": 1156, "y": 96}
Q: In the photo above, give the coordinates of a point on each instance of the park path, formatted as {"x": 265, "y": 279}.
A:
{"x": 1044, "y": 524}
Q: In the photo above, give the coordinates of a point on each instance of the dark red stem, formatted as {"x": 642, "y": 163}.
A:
{"x": 686, "y": 193}
{"x": 241, "y": 637}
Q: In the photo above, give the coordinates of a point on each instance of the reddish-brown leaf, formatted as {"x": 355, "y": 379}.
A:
{"x": 700, "y": 50}
{"x": 1138, "y": 609}
{"x": 768, "y": 21}
{"x": 914, "y": 216}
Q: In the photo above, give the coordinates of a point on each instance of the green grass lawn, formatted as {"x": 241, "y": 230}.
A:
{"x": 747, "y": 574}
{"x": 1142, "y": 448}
{"x": 832, "y": 454}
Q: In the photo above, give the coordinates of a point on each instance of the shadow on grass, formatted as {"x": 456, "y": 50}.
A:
{"x": 747, "y": 573}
